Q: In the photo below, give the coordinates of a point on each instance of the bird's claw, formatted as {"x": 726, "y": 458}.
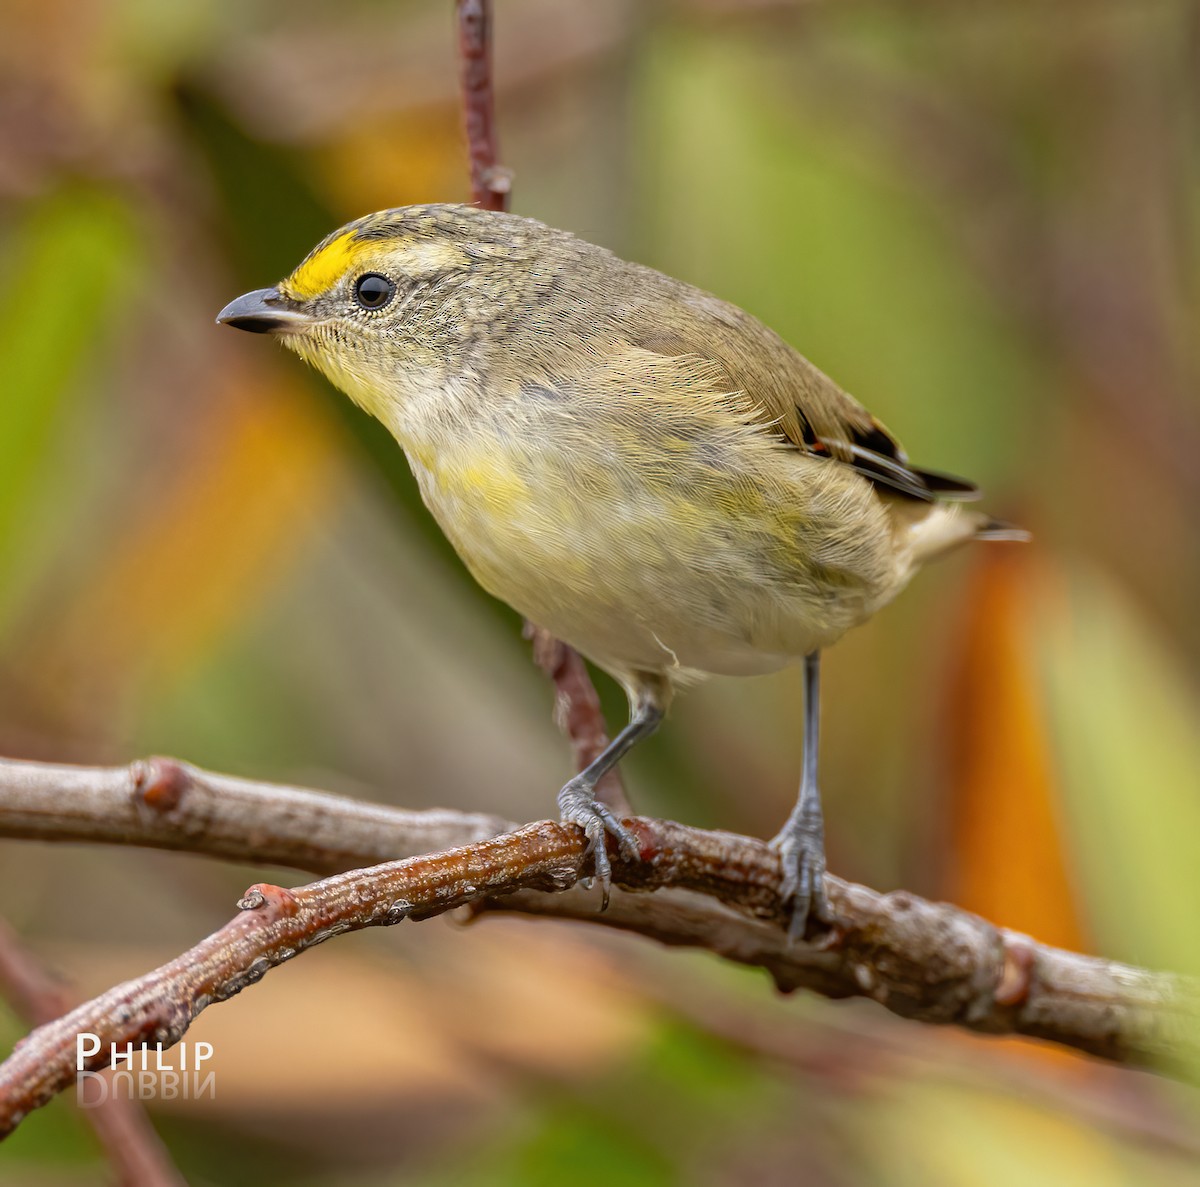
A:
{"x": 801, "y": 847}
{"x": 578, "y": 805}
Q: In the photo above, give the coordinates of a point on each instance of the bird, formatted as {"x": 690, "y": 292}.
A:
{"x": 642, "y": 469}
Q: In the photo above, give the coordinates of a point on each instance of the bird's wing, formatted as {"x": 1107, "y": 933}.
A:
{"x": 788, "y": 394}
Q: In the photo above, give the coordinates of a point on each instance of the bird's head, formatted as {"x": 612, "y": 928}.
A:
{"x": 397, "y": 301}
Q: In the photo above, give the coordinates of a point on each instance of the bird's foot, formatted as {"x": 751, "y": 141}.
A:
{"x": 801, "y": 845}
{"x": 578, "y": 805}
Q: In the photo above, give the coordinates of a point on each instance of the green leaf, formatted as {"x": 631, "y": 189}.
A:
{"x": 69, "y": 264}
{"x": 1124, "y": 719}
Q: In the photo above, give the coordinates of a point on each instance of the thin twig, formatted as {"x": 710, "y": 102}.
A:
{"x": 577, "y": 711}
{"x": 134, "y": 1150}
{"x": 490, "y": 183}
{"x": 719, "y": 891}
{"x": 577, "y": 706}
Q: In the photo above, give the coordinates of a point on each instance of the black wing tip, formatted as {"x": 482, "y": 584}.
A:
{"x": 896, "y": 474}
{"x": 877, "y": 455}
{"x": 948, "y": 486}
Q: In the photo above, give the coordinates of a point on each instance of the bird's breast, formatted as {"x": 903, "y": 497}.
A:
{"x": 643, "y": 558}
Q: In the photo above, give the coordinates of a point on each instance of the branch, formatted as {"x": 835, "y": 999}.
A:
{"x": 577, "y": 707}
{"x": 159, "y": 803}
{"x": 490, "y": 183}
{"x": 719, "y": 891}
{"x": 120, "y": 1124}
{"x": 577, "y": 711}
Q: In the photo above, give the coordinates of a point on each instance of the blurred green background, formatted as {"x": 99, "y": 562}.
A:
{"x": 980, "y": 218}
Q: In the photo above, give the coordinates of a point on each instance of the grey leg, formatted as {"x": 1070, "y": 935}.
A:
{"x": 801, "y": 843}
{"x": 577, "y": 800}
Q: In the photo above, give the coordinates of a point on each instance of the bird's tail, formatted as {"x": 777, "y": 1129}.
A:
{"x": 999, "y": 529}
{"x": 944, "y": 526}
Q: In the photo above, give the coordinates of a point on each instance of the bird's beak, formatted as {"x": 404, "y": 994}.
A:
{"x": 264, "y": 311}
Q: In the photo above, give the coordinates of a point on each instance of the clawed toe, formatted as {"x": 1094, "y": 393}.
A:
{"x": 579, "y": 806}
{"x": 803, "y": 886}
{"x": 804, "y": 889}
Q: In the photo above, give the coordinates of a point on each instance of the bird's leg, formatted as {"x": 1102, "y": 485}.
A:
{"x": 577, "y": 800}
{"x": 801, "y": 843}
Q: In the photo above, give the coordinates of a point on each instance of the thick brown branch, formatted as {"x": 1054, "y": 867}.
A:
{"x": 133, "y": 1148}
{"x": 719, "y": 891}
{"x": 159, "y": 803}
{"x": 272, "y": 926}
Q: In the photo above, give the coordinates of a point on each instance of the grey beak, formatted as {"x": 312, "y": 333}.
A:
{"x": 264, "y": 311}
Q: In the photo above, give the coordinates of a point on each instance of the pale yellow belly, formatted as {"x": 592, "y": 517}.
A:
{"x": 654, "y": 576}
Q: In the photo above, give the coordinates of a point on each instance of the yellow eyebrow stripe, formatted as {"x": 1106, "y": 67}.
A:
{"x": 324, "y": 268}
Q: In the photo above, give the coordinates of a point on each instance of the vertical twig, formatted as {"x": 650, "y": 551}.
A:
{"x": 577, "y": 711}
{"x": 490, "y": 183}
{"x": 134, "y": 1150}
{"x": 577, "y": 706}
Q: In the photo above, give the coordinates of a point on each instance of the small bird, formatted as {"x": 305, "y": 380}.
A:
{"x": 639, "y": 467}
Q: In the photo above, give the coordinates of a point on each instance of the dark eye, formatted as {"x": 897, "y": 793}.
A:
{"x": 373, "y": 291}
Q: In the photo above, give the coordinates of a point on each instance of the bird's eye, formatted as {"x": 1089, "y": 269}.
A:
{"x": 373, "y": 291}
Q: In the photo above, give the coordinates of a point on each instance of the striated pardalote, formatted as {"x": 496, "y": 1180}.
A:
{"x": 642, "y": 469}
